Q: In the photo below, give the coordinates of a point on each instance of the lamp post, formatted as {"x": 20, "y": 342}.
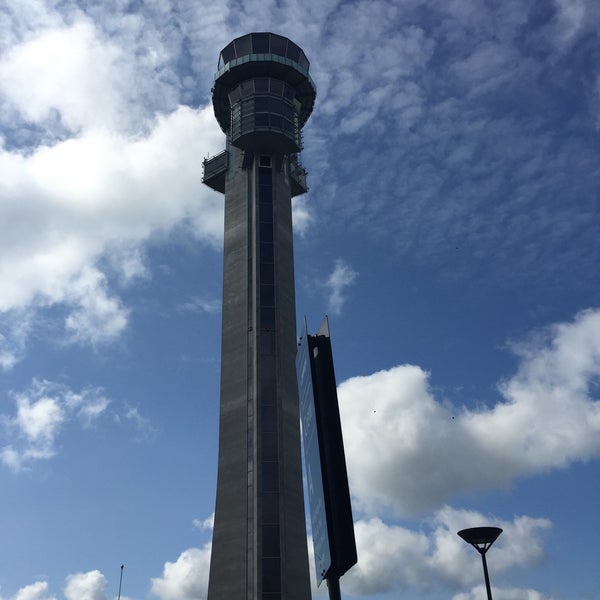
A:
{"x": 481, "y": 538}
{"x": 120, "y": 582}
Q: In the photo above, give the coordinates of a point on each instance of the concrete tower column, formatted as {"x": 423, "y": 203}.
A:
{"x": 262, "y": 97}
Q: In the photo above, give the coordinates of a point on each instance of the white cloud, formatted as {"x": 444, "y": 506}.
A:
{"x": 342, "y": 276}
{"x": 389, "y": 557}
{"x": 41, "y": 414}
{"x": 35, "y": 591}
{"x": 570, "y": 19}
{"x": 14, "y": 330}
{"x": 143, "y": 426}
{"x": 359, "y": 81}
{"x": 39, "y": 421}
{"x": 207, "y": 523}
{"x": 65, "y": 70}
{"x": 186, "y": 578}
{"x": 393, "y": 558}
{"x": 38, "y": 77}
{"x": 97, "y": 160}
{"x": 211, "y": 306}
{"x": 479, "y": 592}
{"x": 67, "y": 206}
{"x": 410, "y": 452}
{"x": 98, "y": 318}
{"x": 302, "y": 216}
{"x": 489, "y": 66}
{"x": 86, "y": 586}
{"x": 86, "y": 406}
{"x": 454, "y": 561}
{"x": 79, "y": 586}
{"x": 69, "y": 203}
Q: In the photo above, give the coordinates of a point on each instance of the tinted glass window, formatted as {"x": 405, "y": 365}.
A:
{"x": 266, "y": 233}
{"x": 275, "y": 105}
{"x": 293, "y": 51}
{"x": 269, "y": 445}
{"x": 271, "y": 575}
{"x": 270, "y": 507}
{"x": 269, "y": 103}
{"x": 266, "y": 215}
{"x": 267, "y": 273}
{"x": 228, "y": 53}
{"x": 288, "y": 112}
{"x": 261, "y": 104}
{"x": 276, "y": 87}
{"x": 288, "y": 92}
{"x": 266, "y": 252}
{"x": 270, "y": 477}
{"x": 267, "y": 317}
{"x": 247, "y": 124}
{"x": 247, "y": 88}
{"x": 261, "y": 120}
{"x": 278, "y": 45}
{"x": 267, "y": 384}
{"x": 243, "y": 45}
{"x": 264, "y": 176}
{"x": 265, "y": 197}
{"x": 270, "y": 540}
{"x": 261, "y": 84}
{"x": 260, "y": 43}
{"x": 268, "y": 417}
{"x": 267, "y": 342}
{"x": 267, "y": 387}
{"x": 303, "y": 62}
{"x": 267, "y": 294}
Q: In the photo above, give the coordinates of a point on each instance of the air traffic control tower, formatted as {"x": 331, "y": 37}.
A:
{"x": 262, "y": 97}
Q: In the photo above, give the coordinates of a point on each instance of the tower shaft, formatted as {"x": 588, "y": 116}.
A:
{"x": 259, "y": 539}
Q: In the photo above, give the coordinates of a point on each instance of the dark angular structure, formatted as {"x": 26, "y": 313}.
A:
{"x": 262, "y": 97}
{"x": 327, "y": 478}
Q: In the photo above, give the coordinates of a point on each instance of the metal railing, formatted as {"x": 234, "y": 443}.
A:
{"x": 216, "y": 165}
{"x": 298, "y": 176}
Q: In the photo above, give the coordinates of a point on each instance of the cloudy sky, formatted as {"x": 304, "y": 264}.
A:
{"x": 451, "y": 233}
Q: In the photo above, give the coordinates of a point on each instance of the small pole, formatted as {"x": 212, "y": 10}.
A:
{"x": 120, "y": 582}
{"x": 486, "y": 576}
{"x": 333, "y": 587}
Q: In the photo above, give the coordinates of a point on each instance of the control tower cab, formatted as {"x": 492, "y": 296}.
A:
{"x": 263, "y": 94}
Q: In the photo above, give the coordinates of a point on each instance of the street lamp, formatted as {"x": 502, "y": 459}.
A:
{"x": 481, "y": 538}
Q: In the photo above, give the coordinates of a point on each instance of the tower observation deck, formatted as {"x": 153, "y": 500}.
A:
{"x": 262, "y": 97}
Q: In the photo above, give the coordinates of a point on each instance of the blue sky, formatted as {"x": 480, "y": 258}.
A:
{"x": 450, "y": 233}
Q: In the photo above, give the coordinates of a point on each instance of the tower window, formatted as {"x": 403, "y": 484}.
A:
{"x": 260, "y": 43}
{"x": 261, "y": 84}
{"x": 278, "y": 45}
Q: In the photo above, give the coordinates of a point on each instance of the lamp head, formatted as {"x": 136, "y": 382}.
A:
{"x": 480, "y": 538}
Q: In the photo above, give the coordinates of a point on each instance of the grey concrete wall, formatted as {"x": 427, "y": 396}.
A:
{"x": 228, "y": 569}
{"x": 247, "y": 381}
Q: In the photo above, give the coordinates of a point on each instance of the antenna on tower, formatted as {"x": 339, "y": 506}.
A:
{"x": 120, "y": 582}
